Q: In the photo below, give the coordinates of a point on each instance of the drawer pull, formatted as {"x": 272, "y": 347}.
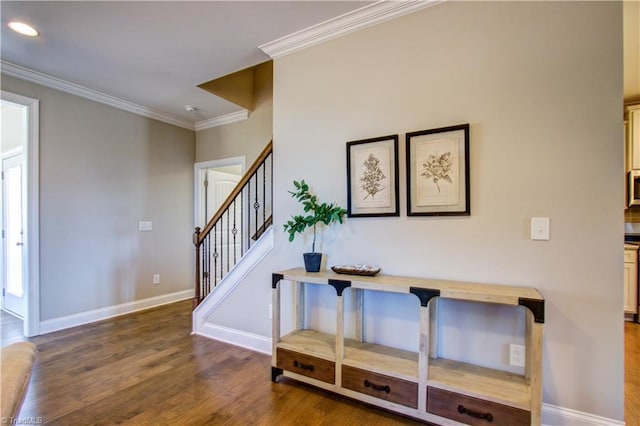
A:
{"x": 308, "y": 367}
{"x": 385, "y": 388}
{"x": 463, "y": 410}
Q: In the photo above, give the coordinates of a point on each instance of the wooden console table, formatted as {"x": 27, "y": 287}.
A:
{"x": 416, "y": 384}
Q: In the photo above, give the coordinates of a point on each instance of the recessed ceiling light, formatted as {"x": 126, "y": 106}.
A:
{"x": 22, "y": 28}
{"x": 190, "y": 108}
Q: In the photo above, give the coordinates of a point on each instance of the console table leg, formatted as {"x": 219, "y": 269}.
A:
{"x": 275, "y": 373}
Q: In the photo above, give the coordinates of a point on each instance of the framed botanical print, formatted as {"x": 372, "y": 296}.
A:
{"x": 372, "y": 177}
{"x": 438, "y": 172}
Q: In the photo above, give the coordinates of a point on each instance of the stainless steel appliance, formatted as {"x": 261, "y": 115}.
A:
{"x": 634, "y": 188}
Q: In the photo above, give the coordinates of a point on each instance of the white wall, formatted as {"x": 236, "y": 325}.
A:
{"x": 541, "y": 85}
{"x": 101, "y": 171}
{"x": 13, "y": 124}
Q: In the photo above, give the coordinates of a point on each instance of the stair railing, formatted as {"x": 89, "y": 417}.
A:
{"x": 243, "y": 217}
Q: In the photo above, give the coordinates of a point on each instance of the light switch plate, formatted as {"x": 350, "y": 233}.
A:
{"x": 145, "y": 226}
{"x": 540, "y": 228}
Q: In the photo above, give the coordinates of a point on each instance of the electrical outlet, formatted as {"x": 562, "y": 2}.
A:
{"x": 145, "y": 226}
{"x": 540, "y": 228}
{"x": 516, "y": 355}
{"x": 156, "y": 278}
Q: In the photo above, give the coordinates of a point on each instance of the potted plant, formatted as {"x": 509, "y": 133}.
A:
{"x": 316, "y": 212}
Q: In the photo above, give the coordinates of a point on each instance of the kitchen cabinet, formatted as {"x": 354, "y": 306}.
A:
{"x": 630, "y": 279}
{"x": 420, "y": 383}
{"x": 632, "y": 134}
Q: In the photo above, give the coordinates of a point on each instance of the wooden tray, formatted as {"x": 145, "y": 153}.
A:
{"x": 366, "y": 270}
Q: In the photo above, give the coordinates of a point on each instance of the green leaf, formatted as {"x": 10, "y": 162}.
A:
{"x": 320, "y": 212}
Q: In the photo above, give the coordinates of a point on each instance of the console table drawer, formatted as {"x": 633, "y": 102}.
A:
{"x": 473, "y": 411}
{"x": 380, "y": 386}
{"x": 307, "y": 365}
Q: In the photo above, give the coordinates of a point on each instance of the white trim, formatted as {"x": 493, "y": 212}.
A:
{"x": 31, "y": 324}
{"x": 553, "y": 415}
{"x": 256, "y": 253}
{"x": 222, "y": 120}
{"x": 23, "y": 73}
{"x": 87, "y": 317}
{"x": 358, "y": 19}
{"x": 12, "y": 152}
{"x": 235, "y": 337}
{"x": 198, "y": 168}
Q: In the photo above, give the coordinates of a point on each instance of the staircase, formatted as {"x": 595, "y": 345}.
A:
{"x": 244, "y": 217}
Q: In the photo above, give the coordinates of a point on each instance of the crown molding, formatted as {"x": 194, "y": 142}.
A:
{"x": 366, "y": 16}
{"x": 221, "y": 120}
{"x": 23, "y": 73}
{"x": 358, "y": 19}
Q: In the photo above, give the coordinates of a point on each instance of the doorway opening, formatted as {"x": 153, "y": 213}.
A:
{"x": 19, "y": 214}
{"x": 213, "y": 182}
{"x": 13, "y": 294}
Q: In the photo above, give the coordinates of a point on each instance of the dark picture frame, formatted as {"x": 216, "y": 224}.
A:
{"x": 372, "y": 177}
{"x": 438, "y": 172}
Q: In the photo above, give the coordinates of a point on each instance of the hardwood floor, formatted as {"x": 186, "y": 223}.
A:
{"x": 146, "y": 369}
{"x": 10, "y": 329}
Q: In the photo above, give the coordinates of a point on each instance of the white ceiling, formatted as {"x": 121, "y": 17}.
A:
{"x": 155, "y": 53}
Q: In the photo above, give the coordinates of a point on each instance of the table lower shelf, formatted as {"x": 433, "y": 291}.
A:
{"x": 492, "y": 385}
{"x": 310, "y": 342}
{"x": 366, "y": 356}
{"x": 479, "y": 382}
{"x": 381, "y": 359}
{"x": 390, "y": 376}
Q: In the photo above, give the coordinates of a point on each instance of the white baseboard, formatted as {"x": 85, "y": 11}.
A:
{"x": 553, "y": 415}
{"x": 87, "y": 317}
{"x": 234, "y": 337}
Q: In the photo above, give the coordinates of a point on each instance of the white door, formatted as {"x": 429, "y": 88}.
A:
{"x": 218, "y": 186}
{"x": 13, "y": 232}
{"x": 203, "y": 209}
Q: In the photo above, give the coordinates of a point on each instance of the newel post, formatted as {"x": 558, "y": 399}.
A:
{"x": 196, "y": 236}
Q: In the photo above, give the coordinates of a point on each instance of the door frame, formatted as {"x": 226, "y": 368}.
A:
{"x": 31, "y": 322}
{"x": 200, "y": 168}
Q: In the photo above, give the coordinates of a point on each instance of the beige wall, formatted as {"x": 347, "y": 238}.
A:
{"x": 245, "y": 138}
{"x": 541, "y": 85}
{"x": 101, "y": 171}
